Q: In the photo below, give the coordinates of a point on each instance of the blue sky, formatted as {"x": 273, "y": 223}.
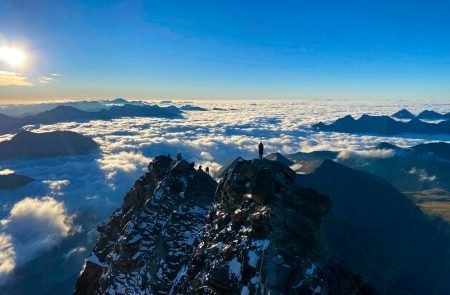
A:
{"x": 227, "y": 49}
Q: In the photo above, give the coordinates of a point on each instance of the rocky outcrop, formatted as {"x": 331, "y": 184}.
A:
{"x": 264, "y": 237}
{"x": 144, "y": 244}
{"x": 257, "y": 234}
{"x": 229, "y": 165}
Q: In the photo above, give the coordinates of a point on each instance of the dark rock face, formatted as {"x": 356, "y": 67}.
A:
{"x": 261, "y": 235}
{"x": 229, "y": 165}
{"x": 146, "y": 242}
{"x": 264, "y": 237}
{"x": 51, "y": 144}
{"x": 12, "y": 181}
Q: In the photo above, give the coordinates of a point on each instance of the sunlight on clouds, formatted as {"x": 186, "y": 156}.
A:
{"x": 376, "y": 153}
{"x": 13, "y": 79}
{"x": 7, "y": 257}
{"x": 122, "y": 167}
{"x": 45, "y": 79}
{"x": 33, "y": 226}
{"x": 6, "y": 171}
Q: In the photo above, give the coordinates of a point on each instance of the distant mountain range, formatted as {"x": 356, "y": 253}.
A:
{"x": 384, "y": 125}
{"x": 13, "y": 180}
{"x": 189, "y": 107}
{"x": 424, "y": 115}
{"x": 27, "y": 144}
{"x": 68, "y": 113}
{"x": 419, "y": 167}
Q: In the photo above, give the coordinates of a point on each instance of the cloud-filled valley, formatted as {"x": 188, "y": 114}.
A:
{"x": 70, "y": 188}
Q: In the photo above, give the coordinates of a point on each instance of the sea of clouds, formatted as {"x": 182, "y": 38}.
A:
{"x": 71, "y": 195}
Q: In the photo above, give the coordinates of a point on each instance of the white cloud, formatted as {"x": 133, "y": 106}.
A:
{"x": 6, "y": 171}
{"x": 56, "y": 186}
{"x": 125, "y": 161}
{"x": 7, "y": 257}
{"x": 33, "y": 226}
{"x": 45, "y": 79}
{"x": 375, "y": 153}
{"x": 422, "y": 174}
{"x": 74, "y": 251}
{"x": 122, "y": 167}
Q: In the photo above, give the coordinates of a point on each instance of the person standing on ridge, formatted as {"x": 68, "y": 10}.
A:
{"x": 260, "y": 150}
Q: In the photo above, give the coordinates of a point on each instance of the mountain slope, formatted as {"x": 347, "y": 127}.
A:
{"x": 437, "y": 149}
{"x": 264, "y": 237}
{"x": 27, "y": 144}
{"x": 432, "y": 115}
{"x": 380, "y": 233}
{"x": 229, "y": 165}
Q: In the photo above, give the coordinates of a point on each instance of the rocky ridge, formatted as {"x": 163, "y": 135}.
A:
{"x": 257, "y": 233}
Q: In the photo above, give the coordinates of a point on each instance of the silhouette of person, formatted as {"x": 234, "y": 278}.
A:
{"x": 207, "y": 170}
{"x": 200, "y": 168}
{"x": 261, "y": 150}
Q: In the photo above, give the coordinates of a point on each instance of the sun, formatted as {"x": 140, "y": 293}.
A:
{"x": 13, "y": 56}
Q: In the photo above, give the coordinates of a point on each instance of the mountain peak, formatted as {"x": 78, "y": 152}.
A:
{"x": 279, "y": 158}
{"x": 403, "y": 114}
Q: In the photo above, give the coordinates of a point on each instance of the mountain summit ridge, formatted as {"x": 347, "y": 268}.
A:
{"x": 178, "y": 232}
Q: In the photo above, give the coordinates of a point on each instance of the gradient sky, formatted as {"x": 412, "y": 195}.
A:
{"x": 227, "y": 49}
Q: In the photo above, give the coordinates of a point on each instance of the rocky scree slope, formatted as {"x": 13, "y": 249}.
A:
{"x": 257, "y": 234}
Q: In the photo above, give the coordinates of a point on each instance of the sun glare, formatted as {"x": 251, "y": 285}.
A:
{"x": 12, "y": 56}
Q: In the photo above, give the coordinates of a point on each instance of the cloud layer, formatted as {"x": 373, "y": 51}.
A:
{"x": 93, "y": 186}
